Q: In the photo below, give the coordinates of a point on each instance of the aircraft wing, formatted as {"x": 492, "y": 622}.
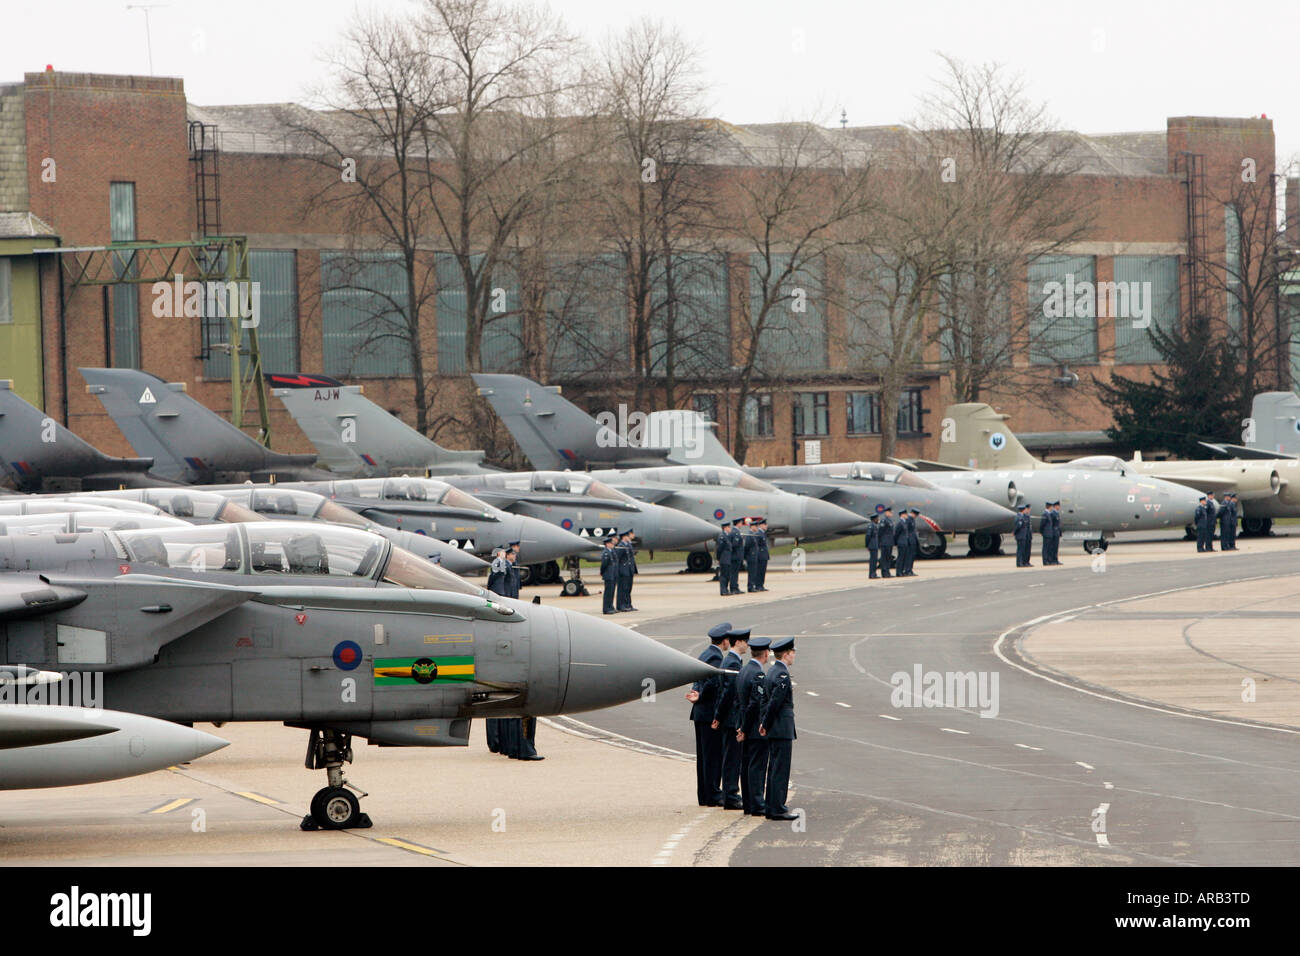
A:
{"x": 1242, "y": 451}
{"x": 655, "y": 496}
{"x": 812, "y": 489}
{"x": 30, "y": 595}
{"x": 921, "y": 464}
{"x": 1210, "y": 484}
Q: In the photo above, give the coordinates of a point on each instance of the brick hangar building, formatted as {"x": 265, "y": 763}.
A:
{"x": 87, "y": 160}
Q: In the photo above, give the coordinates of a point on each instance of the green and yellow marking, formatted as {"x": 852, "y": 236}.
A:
{"x": 407, "y": 671}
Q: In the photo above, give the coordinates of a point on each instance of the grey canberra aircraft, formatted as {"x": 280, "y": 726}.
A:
{"x": 325, "y": 628}
{"x": 728, "y": 494}
{"x": 356, "y": 438}
{"x": 188, "y": 442}
{"x": 39, "y": 454}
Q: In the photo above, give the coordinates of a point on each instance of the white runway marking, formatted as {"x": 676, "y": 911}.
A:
{"x": 887, "y": 717}
{"x": 665, "y": 854}
{"x": 812, "y": 693}
{"x": 1085, "y": 766}
{"x": 839, "y": 703}
{"x": 1027, "y": 747}
{"x": 1109, "y": 786}
{"x": 949, "y": 730}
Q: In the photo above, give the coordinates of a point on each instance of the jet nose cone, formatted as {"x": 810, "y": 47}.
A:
{"x": 453, "y": 559}
{"x": 539, "y": 541}
{"x": 677, "y": 529}
{"x": 609, "y": 665}
{"x": 823, "y": 518}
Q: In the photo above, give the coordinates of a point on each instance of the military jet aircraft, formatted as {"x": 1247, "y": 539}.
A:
{"x": 588, "y": 507}
{"x": 356, "y": 438}
{"x": 1274, "y": 427}
{"x": 39, "y": 454}
{"x": 728, "y": 494}
{"x": 433, "y": 507}
{"x": 75, "y": 522}
{"x": 326, "y": 628}
{"x": 188, "y": 442}
{"x": 1266, "y": 489}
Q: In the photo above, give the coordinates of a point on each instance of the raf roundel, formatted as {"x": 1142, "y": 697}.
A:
{"x": 719, "y": 514}
{"x": 567, "y": 524}
{"x": 347, "y": 655}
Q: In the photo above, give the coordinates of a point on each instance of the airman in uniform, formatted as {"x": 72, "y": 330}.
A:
{"x": 762, "y": 554}
{"x": 1228, "y": 522}
{"x": 722, "y": 550}
{"x": 1024, "y": 535}
{"x": 609, "y": 574}
{"x": 913, "y": 542}
{"x": 703, "y": 696}
{"x": 1202, "y": 521}
{"x": 750, "y": 537}
{"x": 873, "y": 544}
{"x": 737, "y": 556}
{"x": 753, "y": 746}
{"x": 1211, "y": 512}
{"x": 726, "y": 718}
{"x": 1049, "y": 526}
{"x": 776, "y": 725}
{"x": 626, "y": 570}
{"x": 498, "y": 573}
{"x": 886, "y": 536}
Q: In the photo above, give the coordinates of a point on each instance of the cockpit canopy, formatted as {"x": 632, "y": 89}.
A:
{"x": 719, "y": 476}
{"x": 400, "y": 489}
{"x": 872, "y": 471}
{"x": 553, "y": 483}
{"x": 1100, "y": 463}
{"x": 75, "y": 522}
{"x": 187, "y": 503}
{"x": 290, "y": 548}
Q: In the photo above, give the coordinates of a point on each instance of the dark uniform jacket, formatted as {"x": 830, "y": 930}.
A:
{"x": 704, "y": 708}
{"x": 1047, "y": 525}
{"x": 498, "y": 577}
{"x": 1056, "y": 523}
{"x": 761, "y": 545}
{"x": 749, "y": 696}
{"x": 873, "y": 537}
{"x": 722, "y": 547}
{"x": 512, "y": 580}
{"x": 626, "y": 560}
{"x": 886, "y": 535}
{"x": 609, "y": 564}
{"x": 751, "y": 546}
{"x": 727, "y": 713}
{"x": 1024, "y": 527}
{"x": 911, "y": 531}
{"x": 778, "y": 711}
{"x": 1202, "y": 514}
{"x": 737, "y": 541}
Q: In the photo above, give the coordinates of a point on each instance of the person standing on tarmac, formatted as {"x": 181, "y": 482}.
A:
{"x": 609, "y": 575}
{"x": 722, "y": 551}
{"x": 753, "y": 745}
{"x": 776, "y": 725}
{"x": 626, "y": 570}
{"x": 887, "y": 529}
{"x": 1024, "y": 535}
{"x": 761, "y": 554}
{"x": 703, "y": 696}
{"x": 873, "y": 544}
{"x": 726, "y": 718}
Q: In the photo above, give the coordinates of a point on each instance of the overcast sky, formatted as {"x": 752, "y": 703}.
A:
{"x": 1100, "y": 66}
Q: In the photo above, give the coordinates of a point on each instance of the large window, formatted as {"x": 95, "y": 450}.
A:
{"x": 501, "y": 344}
{"x": 758, "y": 415}
{"x": 690, "y": 315}
{"x": 1062, "y": 311}
{"x": 706, "y": 405}
{"x": 126, "y": 295}
{"x": 793, "y": 335}
{"x": 586, "y": 317}
{"x": 275, "y": 273}
{"x": 864, "y": 412}
{"x": 812, "y": 413}
{"x": 363, "y": 321}
{"x": 1145, "y": 297}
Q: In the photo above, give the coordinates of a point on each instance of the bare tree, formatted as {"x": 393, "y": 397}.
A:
{"x": 788, "y": 215}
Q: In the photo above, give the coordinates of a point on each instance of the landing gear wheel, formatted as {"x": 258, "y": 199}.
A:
{"x": 572, "y": 588}
{"x": 1189, "y": 533}
{"x": 933, "y": 546}
{"x": 548, "y": 573}
{"x": 1256, "y": 526}
{"x": 1095, "y": 545}
{"x": 699, "y": 562}
{"x": 984, "y": 543}
{"x": 335, "y": 808}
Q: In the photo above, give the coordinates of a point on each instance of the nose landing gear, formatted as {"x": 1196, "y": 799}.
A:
{"x": 334, "y": 807}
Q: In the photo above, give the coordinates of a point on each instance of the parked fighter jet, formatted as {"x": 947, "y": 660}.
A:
{"x": 555, "y": 434}
{"x": 1266, "y": 489}
{"x": 589, "y": 508}
{"x": 326, "y": 628}
{"x": 39, "y": 454}
{"x": 728, "y": 494}
{"x": 432, "y": 507}
{"x": 187, "y": 442}
{"x": 355, "y": 438}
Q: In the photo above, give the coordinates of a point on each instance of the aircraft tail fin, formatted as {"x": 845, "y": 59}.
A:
{"x": 37, "y": 448}
{"x": 1276, "y": 419}
{"x": 975, "y": 436}
{"x": 188, "y": 441}
{"x": 690, "y": 438}
{"x": 354, "y": 436}
{"x": 554, "y": 433}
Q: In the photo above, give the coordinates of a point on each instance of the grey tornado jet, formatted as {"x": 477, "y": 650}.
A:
{"x": 330, "y": 629}
{"x": 356, "y": 438}
{"x": 717, "y": 494}
{"x": 432, "y": 507}
{"x": 39, "y": 454}
{"x": 188, "y": 442}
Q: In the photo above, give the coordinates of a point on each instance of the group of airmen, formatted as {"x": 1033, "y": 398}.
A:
{"x": 617, "y": 569}
{"x": 744, "y": 724}
{"x": 1226, "y": 514}
{"x": 1049, "y": 526}
{"x": 513, "y": 737}
{"x": 735, "y": 547}
{"x": 884, "y": 534}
